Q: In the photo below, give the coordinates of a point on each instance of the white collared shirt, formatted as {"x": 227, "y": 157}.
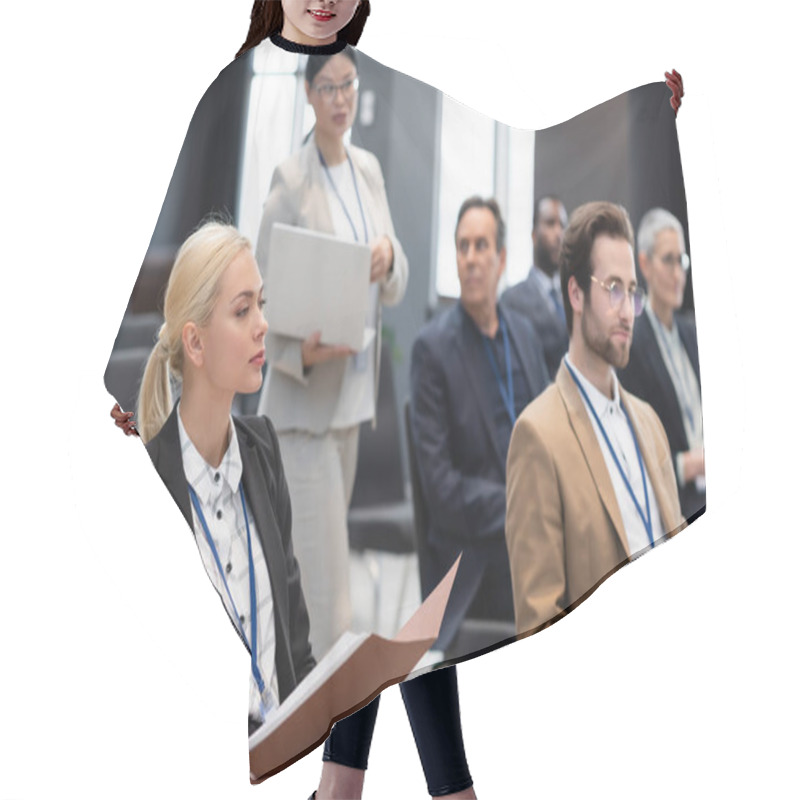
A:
{"x": 217, "y": 491}
{"x": 619, "y": 433}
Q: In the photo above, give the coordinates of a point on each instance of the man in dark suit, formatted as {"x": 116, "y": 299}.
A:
{"x": 664, "y": 369}
{"x": 538, "y": 297}
{"x": 473, "y": 369}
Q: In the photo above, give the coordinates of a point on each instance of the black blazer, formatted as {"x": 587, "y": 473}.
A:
{"x": 646, "y": 376}
{"x": 268, "y": 499}
{"x": 526, "y": 298}
{"x": 461, "y": 467}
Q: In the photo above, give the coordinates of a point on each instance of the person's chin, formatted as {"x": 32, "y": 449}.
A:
{"x": 616, "y": 352}
{"x": 252, "y": 384}
{"x": 621, "y": 357}
{"x": 472, "y": 293}
{"x": 320, "y": 30}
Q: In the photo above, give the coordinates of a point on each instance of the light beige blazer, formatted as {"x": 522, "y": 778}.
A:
{"x": 564, "y": 528}
{"x": 297, "y": 196}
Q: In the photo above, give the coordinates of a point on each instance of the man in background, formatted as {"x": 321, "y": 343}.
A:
{"x": 664, "y": 368}
{"x": 538, "y": 297}
{"x": 473, "y": 369}
{"x": 590, "y": 478}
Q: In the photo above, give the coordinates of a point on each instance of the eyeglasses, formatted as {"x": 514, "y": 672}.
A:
{"x": 616, "y": 294}
{"x": 327, "y": 91}
{"x": 673, "y": 261}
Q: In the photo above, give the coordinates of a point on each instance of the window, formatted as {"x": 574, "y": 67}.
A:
{"x": 480, "y": 156}
{"x": 276, "y": 122}
{"x": 466, "y": 168}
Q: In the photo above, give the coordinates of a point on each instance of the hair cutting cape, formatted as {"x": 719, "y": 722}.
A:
{"x": 431, "y": 472}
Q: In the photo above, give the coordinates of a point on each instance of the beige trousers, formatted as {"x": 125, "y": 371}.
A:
{"x": 320, "y": 472}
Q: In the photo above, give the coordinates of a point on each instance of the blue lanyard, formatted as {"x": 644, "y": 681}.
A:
{"x": 683, "y": 390}
{"x": 340, "y": 199}
{"x": 647, "y": 521}
{"x": 507, "y": 391}
{"x": 253, "y": 604}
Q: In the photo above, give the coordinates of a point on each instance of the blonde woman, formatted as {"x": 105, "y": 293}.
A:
{"x": 226, "y": 475}
{"x": 432, "y": 699}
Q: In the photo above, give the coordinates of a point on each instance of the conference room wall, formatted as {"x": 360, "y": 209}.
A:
{"x": 408, "y": 154}
{"x": 623, "y": 150}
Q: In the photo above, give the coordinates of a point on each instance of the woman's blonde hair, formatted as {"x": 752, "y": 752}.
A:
{"x": 192, "y": 290}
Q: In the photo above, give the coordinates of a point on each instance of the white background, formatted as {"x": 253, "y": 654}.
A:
{"x": 677, "y": 679}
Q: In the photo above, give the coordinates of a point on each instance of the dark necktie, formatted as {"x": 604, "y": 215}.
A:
{"x": 556, "y": 296}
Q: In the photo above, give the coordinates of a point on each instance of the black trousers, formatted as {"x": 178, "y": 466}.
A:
{"x": 433, "y": 711}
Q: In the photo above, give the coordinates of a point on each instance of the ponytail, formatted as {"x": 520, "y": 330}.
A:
{"x": 155, "y": 396}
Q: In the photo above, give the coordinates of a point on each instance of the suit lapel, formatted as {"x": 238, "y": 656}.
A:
{"x": 369, "y": 202}
{"x": 688, "y": 335}
{"x": 315, "y": 210}
{"x": 582, "y": 425}
{"x": 517, "y": 339}
{"x": 256, "y": 481}
{"x": 656, "y": 364}
{"x": 165, "y": 453}
{"x": 475, "y": 378}
{"x": 671, "y": 410}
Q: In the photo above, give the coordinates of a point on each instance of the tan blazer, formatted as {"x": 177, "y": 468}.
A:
{"x": 297, "y": 196}
{"x": 564, "y": 528}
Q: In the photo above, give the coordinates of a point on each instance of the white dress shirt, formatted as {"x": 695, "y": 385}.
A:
{"x": 619, "y": 433}
{"x": 217, "y": 491}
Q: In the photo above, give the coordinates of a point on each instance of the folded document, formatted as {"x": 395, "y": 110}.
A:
{"x": 356, "y": 669}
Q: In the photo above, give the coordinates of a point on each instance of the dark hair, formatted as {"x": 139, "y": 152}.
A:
{"x": 315, "y": 63}
{"x": 587, "y": 223}
{"x": 266, "y": 19}
{"x": 538, "y": 202}
{"x": 479, "y": 202}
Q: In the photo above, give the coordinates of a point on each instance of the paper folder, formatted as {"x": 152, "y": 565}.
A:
{"x": 348, "y": 677}
{"x": 317, "y": 282}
